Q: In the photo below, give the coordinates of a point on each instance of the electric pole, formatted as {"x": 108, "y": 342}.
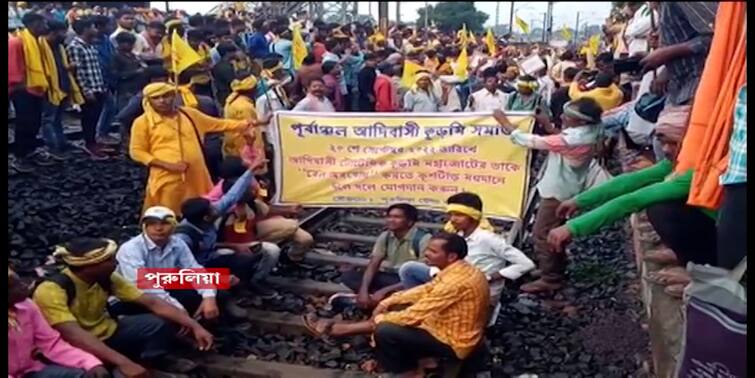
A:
{"x": 545, "y": 20}
{"x": 576, "y": 31}
{"x": 497, "y": 13}
{"x": 427, "y": 16}
{"x": 383, "y": 17}
{"x": 398, "y": 13}
{"x": 511, "y": 18}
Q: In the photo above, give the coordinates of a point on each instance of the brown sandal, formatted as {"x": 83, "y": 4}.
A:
{"x": 310, "y": 323}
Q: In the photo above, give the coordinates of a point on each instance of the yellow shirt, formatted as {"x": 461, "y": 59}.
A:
{"x": 174, "y": 140}
{"x": 608, "y": 98}
{"x": 88, "y": 308}
{"x": 242, "y": 108}
{"x": 453, "y": 307}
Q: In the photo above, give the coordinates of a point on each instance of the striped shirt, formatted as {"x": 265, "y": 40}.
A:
{"x": 683, "y": 22}
{"x": 453, "y": 307}
{"x": 736, "y": 173}
{"x": 85, "y": 59}
{"x": 569, "y": 161}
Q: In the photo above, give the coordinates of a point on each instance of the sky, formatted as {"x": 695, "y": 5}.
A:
{"x": 564, "y": 12}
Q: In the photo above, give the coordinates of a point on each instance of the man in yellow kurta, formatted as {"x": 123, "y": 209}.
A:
{"x": 240, "y": 105}
{"x": 168, "y": 140}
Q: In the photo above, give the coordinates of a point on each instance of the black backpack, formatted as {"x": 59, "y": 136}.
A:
{"x": 66, "y": 283}
{"x": 194, "y": 235}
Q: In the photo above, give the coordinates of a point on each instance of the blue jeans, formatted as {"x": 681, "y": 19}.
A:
{"x": 57, "y": 371}
{"x": 109, "y": 111}
{"x": 52, "y": 127}
{"x": 414, "y": 273}
{"x": 143, "y": 336}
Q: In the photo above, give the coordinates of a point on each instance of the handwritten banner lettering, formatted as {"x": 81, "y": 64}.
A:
{"x": 374, "y": 160}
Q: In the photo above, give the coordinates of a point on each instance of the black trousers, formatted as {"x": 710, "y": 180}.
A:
{"x": 353, "y": 280}
{"x": 686, "y": 230}
{"x": 241, "y": 265}
{"x": 90, "y": 116}
{"x": 143, "y": 336}
{"x": 190, "y": 299}
{"x": 28, "y": 109}
{"x": 732, "y": 226}
{"x": 399, "y": 348}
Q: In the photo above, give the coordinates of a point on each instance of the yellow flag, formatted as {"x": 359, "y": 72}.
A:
{"x": 594, "y": 44}
{"x": 566, "y": 33}
{"x": 462, "y": 64}
{"x": 298, "y": 48}
{"x": 410, "y": 70}
{"x": 522, "y": 25}
{"x": 490, "y": 42}
{"x": 463, "y": 35}
{"x": 182, "y": 55}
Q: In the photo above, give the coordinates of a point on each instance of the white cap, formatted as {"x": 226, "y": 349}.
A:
{"x": 159, "y": 212}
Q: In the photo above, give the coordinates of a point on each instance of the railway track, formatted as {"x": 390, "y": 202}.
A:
{"x": 343, "y": 239}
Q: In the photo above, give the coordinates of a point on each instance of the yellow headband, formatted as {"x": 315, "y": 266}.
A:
{"x": 151, "y": 91}
{"x": 157, "y": 90}
{"x": 249, "y": 83}
{"x": 90, "y": 258}
{"x": 172, "y": 23}
{"x": 468, "y": 211}
{"x": 464, "y": 209}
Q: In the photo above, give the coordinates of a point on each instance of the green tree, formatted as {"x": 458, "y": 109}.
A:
{"x": 450, "y": 16}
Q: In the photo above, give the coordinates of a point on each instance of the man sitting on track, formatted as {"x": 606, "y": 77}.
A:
{"x": 401, "y": 242}
{"x": 199, "y": 231}
{"x": 487, "y": 251}
{"x": 29, "y": 336}
{"x": 445, "y": 317}
{"x": 74, "y": 303}
{"x": 159, "y": 247}
{"x": 275, "y": 224}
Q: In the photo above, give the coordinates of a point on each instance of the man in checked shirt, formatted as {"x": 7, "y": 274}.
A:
{"x": 445, "y": 317}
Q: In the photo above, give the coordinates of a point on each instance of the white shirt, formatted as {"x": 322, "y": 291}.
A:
{"x": 311, "y": 103}
{"x": 490, "y": 253}
{"x": 140, "y": 45}
{"x": 637, "y": 30}
{"x": 546, "y": 88}
{"x": 484, "y": 101}
{"x": 268, "y": 105}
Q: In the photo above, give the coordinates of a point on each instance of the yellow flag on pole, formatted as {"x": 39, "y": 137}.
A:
{"x": 462, "y": 64}
{"x": 182, "y": 55}
{"x": 490, "y": 42}
{"x": 298, "y": 48}
{"x": 522, "y": 25}
{"x": 463, "y": 36}
{"x": 410, "y": 70}
{"x": 566, "y": 33}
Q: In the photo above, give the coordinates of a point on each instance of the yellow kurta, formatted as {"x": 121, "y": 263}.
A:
{"x": 162, "y": 142}
{"x": 242, "y": 108}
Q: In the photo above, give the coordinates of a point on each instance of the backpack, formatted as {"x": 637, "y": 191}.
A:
{"x": 194, "y": 235}
{"x": 416, "y": 239}
{"x": 66, "y": 283}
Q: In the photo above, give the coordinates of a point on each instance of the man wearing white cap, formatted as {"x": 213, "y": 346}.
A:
{"x": 158, "y": 247}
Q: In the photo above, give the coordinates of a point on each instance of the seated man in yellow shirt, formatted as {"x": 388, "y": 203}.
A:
{"x": 74, "y": 303}
{"x": 445, "y": 317}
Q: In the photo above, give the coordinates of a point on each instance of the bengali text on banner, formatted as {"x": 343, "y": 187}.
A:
{"x": 374, "y": 160}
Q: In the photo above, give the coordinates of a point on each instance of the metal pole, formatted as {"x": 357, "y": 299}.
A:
{"x": 427, "y": 16}
{"x": 383, "y": 17}
{"x": 545, "y": 20}
{"x": 167, "y": 7}
{"x": 369, "y": 9}
{"x": 398, "y": 12}
{"x": 576, "y": 31}
{"x": 497, "y": 13}
{"x": 511, "y": 18}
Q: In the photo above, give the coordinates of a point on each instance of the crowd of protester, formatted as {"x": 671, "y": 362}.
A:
{"x": 205, "y": 131}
